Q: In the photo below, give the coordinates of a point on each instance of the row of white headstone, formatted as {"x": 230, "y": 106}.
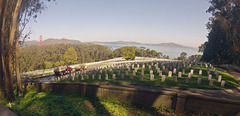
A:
{"x": 129, "y": 66}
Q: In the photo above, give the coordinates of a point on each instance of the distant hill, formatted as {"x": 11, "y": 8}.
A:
{"x": 143, "y": 44}
{"x": 52, "y": 41}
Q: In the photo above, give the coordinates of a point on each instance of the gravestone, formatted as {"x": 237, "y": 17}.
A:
{"x": 174, "y": 71}
{"x": 200, "y": 72}
{"x": 134, "y": 73}
{"x": 87, "y": 77}
{"x": 187, "y": 79}
{"x": 199, "y": 81}
{"x": 170, "y": 74}
{"x": 163, "y": 67}
{"x": 160, "y": 73}
{"x": 209, "y": 77}
{"x": 222, "y": 83}
{"x": 93, "y": 77}
{"x": 113, "y": 76}
{"x": 210, "y": 82}
{"x": 151, "y": 72}
{"x": 119, "y": 72}
{"x": 131, "y": 77}
{"x": 175, "y": 79}
{"x": 152, "y": 77}
{"x": 183, "y": 71}
{"x": 219, "y": 78}
{"x": 99, "y": 76}
{"x": 141, "y": 77}
{"x": 122, "y": 76}
{"x": 106, "y": 76}
{"x": 81, "y": 77}
{"x": 166, "y": 70}
{"x": 192, "y": 71}
{"x": 189, "y": 75}
{"x": 126, "y": 72}
{"x": 163, "y": 78}
{"x": 179, "y": 74}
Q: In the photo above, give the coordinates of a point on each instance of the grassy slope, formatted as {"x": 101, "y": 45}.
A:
{"x": 230, "y": 82}
{"x": 44, "y": 103}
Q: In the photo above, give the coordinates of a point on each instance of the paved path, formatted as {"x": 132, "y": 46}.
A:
{"x": 5, "y": 111}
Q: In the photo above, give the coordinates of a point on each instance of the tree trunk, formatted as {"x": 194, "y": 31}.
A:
{"x": 9, "y": 64}
{"x": 3, "y": 7}
{"x": 19, "y": 81}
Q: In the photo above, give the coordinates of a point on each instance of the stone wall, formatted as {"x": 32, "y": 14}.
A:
{"x": 236, "y": 68}
{"x": 179, "y": 102}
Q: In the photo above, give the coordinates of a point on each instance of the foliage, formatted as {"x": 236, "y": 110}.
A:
{"x": 48, "y": 65}
{"x": 223, "y": 37}
{"x": 70, "y": 56}
{"x": 183, "y": 56}
{"x": 138, "y": 52}
{"x": 194, "y": 58}
{"x": 59, "y": 63}
{"x": 31, "y": 58}
{"x": 128, "y": 53}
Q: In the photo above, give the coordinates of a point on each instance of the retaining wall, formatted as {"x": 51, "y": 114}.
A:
{"x": 179, "y": 102}
{"x": 236, "y": 68}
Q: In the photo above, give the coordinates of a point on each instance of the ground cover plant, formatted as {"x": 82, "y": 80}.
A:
{"x": 59, "y": 104}
{"x": 169, "y": 81}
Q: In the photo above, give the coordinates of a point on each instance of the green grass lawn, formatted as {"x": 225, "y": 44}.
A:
{"x": 53, "y": 104}
{"x": 230, "y": 82}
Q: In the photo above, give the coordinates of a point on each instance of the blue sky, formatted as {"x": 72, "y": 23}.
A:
{"x": 145, "y": 21}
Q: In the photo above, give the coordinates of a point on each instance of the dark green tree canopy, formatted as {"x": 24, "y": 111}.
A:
{"x": 223, "y": 45}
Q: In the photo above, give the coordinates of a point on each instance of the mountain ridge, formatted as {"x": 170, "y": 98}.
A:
{"x": 52, "y": 41}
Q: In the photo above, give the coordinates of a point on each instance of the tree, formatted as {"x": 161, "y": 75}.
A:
{"x": 70, "y": 56}
{"x": 183, "y": 56}
{"x": 202, "y": 47}
{"x": 223, "y": 37}
{"x": 11, "y": 12}
{"x": 159, "y": 54}
{"x": 194, "y": 58}
{"x": 142, "y": 48}
{"x": 128, "y": 53}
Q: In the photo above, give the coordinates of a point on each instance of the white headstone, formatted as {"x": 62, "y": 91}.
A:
{"x": 219, "y": 78}
{"x": 189, "y": 75}
{"x": 152, "y": 77}
{"x": 106, "y": 76}
{"x": 170, "y": 74}
{"x": 192, "y": 71}
{"x": 179, "y": 74}
{"x": 163, "y": 78}
{"x": 209, "y": 77}
{"x": 160, "y": 73}
{"x": 114, "y": 76}
{"x": 222, "y": 83}
{"x": 174, "y": 71}
{"x": 200, "y": 72}
{"x": 81, "y": 77}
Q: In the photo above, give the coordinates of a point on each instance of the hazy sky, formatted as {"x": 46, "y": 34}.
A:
{"x": 145, "y": 21}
